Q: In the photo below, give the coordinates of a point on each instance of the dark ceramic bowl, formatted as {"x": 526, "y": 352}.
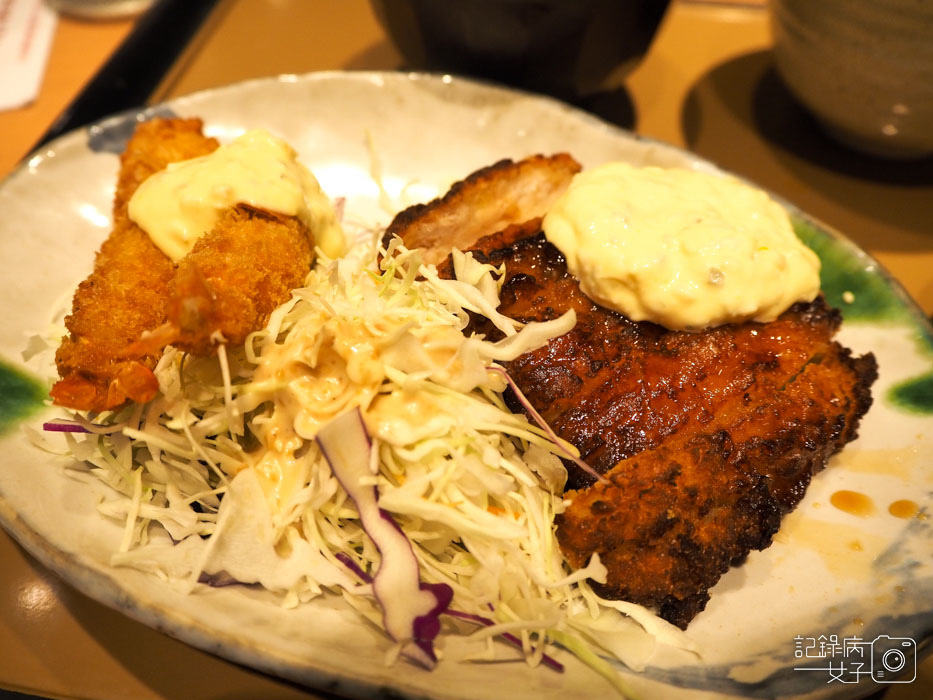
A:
{"x": 563, "y": 47}
{"x": 864, "y": 69}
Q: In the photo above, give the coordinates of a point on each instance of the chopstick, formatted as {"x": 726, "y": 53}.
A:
{"x": 137, "y": 67}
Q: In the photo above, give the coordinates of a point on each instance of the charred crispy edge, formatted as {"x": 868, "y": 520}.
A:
{"x": 486, "y": 175}
{"x": 679, "y": 610}
{"x": 761, "y": 514}
{"x": 865, "y": 371}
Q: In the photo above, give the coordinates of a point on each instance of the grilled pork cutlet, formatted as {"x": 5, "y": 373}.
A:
{"x": 706, "y": 438}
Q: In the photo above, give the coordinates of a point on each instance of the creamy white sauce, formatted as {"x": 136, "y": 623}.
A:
{"x": 684, "y": 249}
{"x": 178, "y": 205}
{"x": 321, "y": 370}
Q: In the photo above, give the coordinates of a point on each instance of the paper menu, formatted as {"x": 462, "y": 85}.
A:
{"x": 26, "y": 31}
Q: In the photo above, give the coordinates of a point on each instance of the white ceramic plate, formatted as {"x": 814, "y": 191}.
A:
{"x": 830, "y": 572}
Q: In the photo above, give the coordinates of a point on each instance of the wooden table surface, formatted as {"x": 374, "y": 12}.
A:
{"x": 707, "y": 84}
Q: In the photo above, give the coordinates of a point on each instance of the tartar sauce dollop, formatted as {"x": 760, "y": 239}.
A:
{"x": 181, "y": 203}
{"x": 681, "y": 248}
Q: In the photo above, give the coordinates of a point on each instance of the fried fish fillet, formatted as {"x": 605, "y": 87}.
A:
{"x": 127, "y": 292}
{"x": 706, "y": 439}
{"x": 137, "y": 301}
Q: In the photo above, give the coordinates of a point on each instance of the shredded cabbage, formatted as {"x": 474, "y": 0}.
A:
{"x": 219, "y": 478}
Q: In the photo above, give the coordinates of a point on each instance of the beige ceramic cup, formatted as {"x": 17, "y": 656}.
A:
{"x": 864, "y": 68}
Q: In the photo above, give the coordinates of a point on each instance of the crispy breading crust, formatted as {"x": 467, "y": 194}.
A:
{"x": 236, "y": 275}
{"x": 127, "y": 292}
{"x": 137, "y": 300}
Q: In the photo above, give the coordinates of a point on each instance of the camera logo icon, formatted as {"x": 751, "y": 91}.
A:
{"x": 893, "y": 659}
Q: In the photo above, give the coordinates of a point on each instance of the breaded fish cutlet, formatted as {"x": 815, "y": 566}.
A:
{"x": 127, "y": 292}
{"x": 137, "y": 301}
